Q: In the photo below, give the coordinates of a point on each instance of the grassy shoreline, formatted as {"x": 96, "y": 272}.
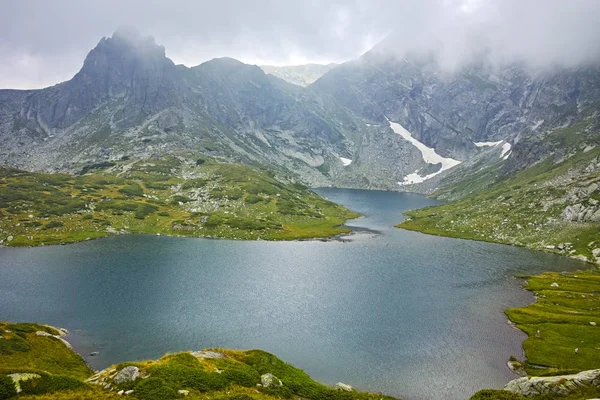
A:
{"x": 37, "y": 362}
{"x": 173, "y": 197}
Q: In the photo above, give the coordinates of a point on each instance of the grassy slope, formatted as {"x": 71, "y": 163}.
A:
{"x": 234, "y": 377}
{"x": 523, "y": 210}
{"x": 172, "y": 196}
{"x": 21, "y": 349}
{"x": 562, "y": 315}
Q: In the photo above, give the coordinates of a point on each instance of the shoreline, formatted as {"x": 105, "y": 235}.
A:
{"x": 485, "y": 240}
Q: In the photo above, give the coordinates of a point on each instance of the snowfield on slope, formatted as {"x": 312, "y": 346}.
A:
{"x": 487, "y": 144}
{"x": 428, "y": 153}
{"x": 506, "y": 150}
{"x": 345, "y": 161}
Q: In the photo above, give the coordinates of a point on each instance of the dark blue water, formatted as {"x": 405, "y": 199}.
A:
{"x": 400, "y": 312}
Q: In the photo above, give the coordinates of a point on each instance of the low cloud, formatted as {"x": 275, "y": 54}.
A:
{"x": 42, "y": 43}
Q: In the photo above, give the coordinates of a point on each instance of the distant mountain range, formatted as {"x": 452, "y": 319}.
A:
{"x": 130, "y": 101}
{"x": 301, "y": 75}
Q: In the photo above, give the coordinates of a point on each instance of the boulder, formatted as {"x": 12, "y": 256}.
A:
{"x": 554, "y": 284}
{"x": 183, "y": 392}
{"x": 270, "y": 380}
{"x": 561, "y": 385}
{"x": 208, "y": 354}
{"x": 342, "y": 386}
{"x": 127, "y": 374}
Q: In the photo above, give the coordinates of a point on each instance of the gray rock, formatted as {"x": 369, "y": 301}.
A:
{"x": 208, "y": 354}
{"x": 270, "y": 380}
{"x": 183, "y": 392}
{"x": 553, "y": 385}
{"x": 127, "y": 374}
{"x": 342, "y": 386}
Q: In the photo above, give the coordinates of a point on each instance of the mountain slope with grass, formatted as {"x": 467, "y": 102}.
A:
{"x": 36, "y": 363}
{"x": 547, "y": 198}
{"x": 181, "y": 196}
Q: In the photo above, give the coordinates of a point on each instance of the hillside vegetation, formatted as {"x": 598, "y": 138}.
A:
{"x": 530, "y": 208}
{"x": 43, "y": 367}
{"x": 171, "y": 196}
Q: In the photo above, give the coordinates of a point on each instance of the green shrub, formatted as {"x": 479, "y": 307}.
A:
{"x": 133, "y": 189}
{"x": 180, "y": 199}
{"x": 54, "y": 224}
{"x": 155, "y": 389}
{"x": 492, "y": 394}
{"x": 14, "y": 344}
{"x": 261, "y": 187}
{"x": 194, "y": 183}
{"x": 144, "y": 210}
{"x": 49, "y": 384}
{"x": 238, "y": 373}
{"x": 7, "y": 388}
{"x": 253, "y": 199}
{"x": 236, "y": 397}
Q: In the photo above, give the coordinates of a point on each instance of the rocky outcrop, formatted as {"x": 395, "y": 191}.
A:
{"x": 343, "y": 387}
{"x": 59, "y": 337}
{"x": 130, "y": 100}
{"x": 208, "y": 354}
{"x": 554, "y": 385}
{"x": 127, "y": 374}
{"x": 269, "y": 380}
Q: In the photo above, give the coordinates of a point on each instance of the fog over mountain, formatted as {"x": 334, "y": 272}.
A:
{"x": 42, "y": 43}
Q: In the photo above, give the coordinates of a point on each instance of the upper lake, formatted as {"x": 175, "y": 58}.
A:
{"x": 400, "y": 312}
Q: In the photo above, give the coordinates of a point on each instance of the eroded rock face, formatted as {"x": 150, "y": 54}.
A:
{"x": 554, "y": 385}
{"x": 127, "y": 374}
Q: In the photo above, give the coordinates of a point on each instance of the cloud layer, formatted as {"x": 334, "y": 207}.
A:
{"x": 42, "y": 43}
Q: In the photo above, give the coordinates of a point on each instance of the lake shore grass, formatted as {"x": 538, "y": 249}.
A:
{"x": 169, "y": 197}
{"x": 563, "y": 324}
{"x": 44, "y": 367}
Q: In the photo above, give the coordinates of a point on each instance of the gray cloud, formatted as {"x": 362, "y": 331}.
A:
{"x": 42, "y": 42}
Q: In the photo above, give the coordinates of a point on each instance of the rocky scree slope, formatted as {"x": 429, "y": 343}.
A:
{"x": 550, "y": 201}
{"x": 130, "y": 100}
{"x": 465, "y": 115}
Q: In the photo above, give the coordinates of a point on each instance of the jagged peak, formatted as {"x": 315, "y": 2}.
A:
{"x": 129, "y": 41}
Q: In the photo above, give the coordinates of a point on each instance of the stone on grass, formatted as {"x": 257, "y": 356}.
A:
{"x": 183, "y": 392}
{"x": 342, "y": 386}
{"x": 270, "y": 380}
{"x": 127, "y": 374}
{"x": 554, "y": 385}
{"x": 208, "y": 354}
{"x": 554, "y": 284}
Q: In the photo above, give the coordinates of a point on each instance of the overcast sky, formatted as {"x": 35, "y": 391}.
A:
{"x": 45, "y": 42}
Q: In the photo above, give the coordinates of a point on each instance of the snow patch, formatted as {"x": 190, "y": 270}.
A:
{"x": 506, "y": 150}
{"x": 487, "y": 144}
{"x": 428, "y": 153}
{"x": 346, "y": 161}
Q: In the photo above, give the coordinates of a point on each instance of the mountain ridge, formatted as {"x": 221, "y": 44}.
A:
{"x": 130, "y": 100}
